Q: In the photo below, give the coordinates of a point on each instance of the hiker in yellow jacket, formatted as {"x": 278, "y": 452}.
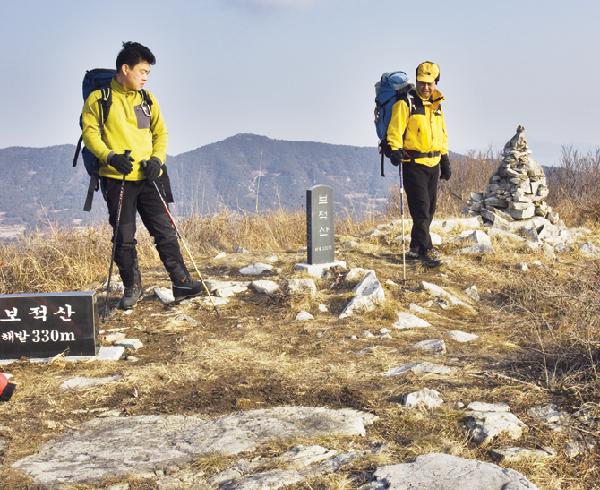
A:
{"x": 132, "y": 149}
{"x": 417, "y": 137}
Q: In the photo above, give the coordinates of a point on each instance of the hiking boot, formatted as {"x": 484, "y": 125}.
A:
{"x": 413, "y": 254}
{"x": 186, "y": 288}
{"x": 130, "y": 297}
{"x": 431, "y": 258}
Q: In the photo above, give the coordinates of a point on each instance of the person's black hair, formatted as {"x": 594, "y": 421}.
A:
{"x": 134, "y": 53}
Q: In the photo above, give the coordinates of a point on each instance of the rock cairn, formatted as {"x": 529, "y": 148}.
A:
{"x": 515, "y": 198}
{"x": 518, "y": 187}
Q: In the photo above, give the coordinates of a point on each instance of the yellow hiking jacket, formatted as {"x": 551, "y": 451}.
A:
{"x": 128, "y": 127}
{"x": 422, "y": 133}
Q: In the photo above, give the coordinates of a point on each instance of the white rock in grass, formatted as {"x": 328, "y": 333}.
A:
{"x": 438, "y": 471}
{"x": 368, "y": 294}
{"x": 367, "y": 334}
{"x": 255, "y": 269}
{"x": 355, "y": 275}
{"x": 220, "y": 255}
{"x": 516, "y": 454}
{"x": 226, "y": 289}
{"x": 439, "y": 292}
{"x": 488, "y": 407}
{"x": 301, "y": 287}
{"x": 485, "y": 426}
{"x": 408, "y": 320}
{"x": 110, "y": 353}
{"x": 472, "y": 293}
{"x": 133, "y": 344}
{"x": 460, "y": 336}
{"x": 319, "y": 270}
{"x": 165, "y": 295}
{"x": 434, "y": 346}
{"x": 435, "y": 238}
{"x": 425, "y": 397}
{"x": 114, "y": 337}
{"x": 415, "y": 308}
{"x": 304, "y": 316}
{"x": 419, "y": 368}
{"x": 323, "y": 308}
{"x": 264, "y": 286}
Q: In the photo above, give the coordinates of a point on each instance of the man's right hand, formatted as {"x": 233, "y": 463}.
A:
{"x": 121, "y": 162}
{"x": 398, "y": 155}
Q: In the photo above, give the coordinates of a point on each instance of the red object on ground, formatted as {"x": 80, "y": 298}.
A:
{"x": 3, "y": 383}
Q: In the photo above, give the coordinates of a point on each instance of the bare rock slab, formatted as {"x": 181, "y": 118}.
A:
{"x": 136, "y": 445}
{"x": 164, "y": 295}
{"x": 445, "y": 472}
{"x": 436, "y": 347}
{"x": 83, "y": 383}
{"x": 425, "y": 397}
{"x": 299, "y": 287}
{"x": 419, "y": 368}
{"x": 226, "y": 289}
{"x": 368, "y": 294}
{"x": 408, "y": 320}
{"x": 516, "y": 454}
{"x": 460, "y": 336}
{"x": 255, "y": 269}
{"x": 264, "y": 286}
{"x": 485, "y": 426}
{"x": 319, "y": 270}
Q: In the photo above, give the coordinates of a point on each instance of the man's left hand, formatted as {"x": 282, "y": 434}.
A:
{"x": 445, "y": 171}
{"x": 152, "y": 169}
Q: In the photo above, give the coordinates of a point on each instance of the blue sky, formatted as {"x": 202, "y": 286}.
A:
{"x": 305, "y": 69}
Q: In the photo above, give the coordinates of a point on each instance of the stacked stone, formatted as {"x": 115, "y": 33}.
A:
{"x": 518, "y": 187}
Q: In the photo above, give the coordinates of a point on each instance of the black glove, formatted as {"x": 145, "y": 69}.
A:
{"x": 445, "y": 171}
{"x": 121, "y": 163}
{"x": 152, "y": 168}
{"x": 397, "y": 155}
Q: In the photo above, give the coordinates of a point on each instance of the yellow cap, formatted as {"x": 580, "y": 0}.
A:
{"x": 428, "y": 72}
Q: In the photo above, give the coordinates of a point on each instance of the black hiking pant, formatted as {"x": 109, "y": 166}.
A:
{"x": 420, "y": 184}
{"x": 143, "y": 198}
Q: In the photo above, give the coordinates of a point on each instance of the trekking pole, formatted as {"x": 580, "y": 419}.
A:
{"x": 172, "y": 220}
{"x": 114, "y": 240}
{"x": 402, "y": 219}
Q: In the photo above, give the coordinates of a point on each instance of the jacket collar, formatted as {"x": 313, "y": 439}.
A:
{"x": 117, "y": 87}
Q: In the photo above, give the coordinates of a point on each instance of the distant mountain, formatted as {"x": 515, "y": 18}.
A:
{"x": 244, "y": 172}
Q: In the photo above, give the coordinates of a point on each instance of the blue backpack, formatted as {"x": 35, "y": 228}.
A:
{"x": 390, "y": 89}
{"x": 97, "y": 79}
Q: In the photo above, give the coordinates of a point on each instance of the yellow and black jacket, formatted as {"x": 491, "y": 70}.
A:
{"x": 420, "y": 131}
{"x": 131, "y": 125}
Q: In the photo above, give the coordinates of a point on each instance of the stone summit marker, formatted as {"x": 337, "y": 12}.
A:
{"x": 47, "y": 324}
{"x": 320, "y": 232}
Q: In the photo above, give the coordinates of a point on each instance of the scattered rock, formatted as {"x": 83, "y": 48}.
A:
{"x": 122, "y": 446}
{"x": 304, "y": 316}
{"x": 220, "y": 255}
{"x": 435, "y": 239}
{"x": 419, "y": 368}
{"x": 255, "y": 269}
{"x": 302, "y": 287}
{"x": 481, "y": 242}
{"x": 133, "y": 344}
{"x": 484, "y": 426}
{"x": 472, "y": 293}
{"x": 81, "y": 383}
{"x": 265, "y": 287}
{"x": 447, "y": 225}
{"x": 319, "y": 270}
{"x": 240, "y": 250}
{"x": 272, "y": 258}
{"x": 522, "y": 266}
{"x": 367, "y": 334}
{"x": 391, "y": 283}
{"x": 355, "y": 275}
{"x": 205, "y": 300}
{"x": 414, "y": 308}
{"x": 436, "y": 347}
{"x": 516, "y": 454}
{"x": 323, "y": 308}
{"x": 368, "y": 294}
{"x": 110, "y": 353}
{"x": 440, "y": 292}
{"x": 425, "y": 397}
{"x": 408, "y": 320}
{"x": 182, "y": 317}
{"x": 549, "y": 415}
{"x": 488, "y": 407}
{"x": 437, "y": 471}
{"x": 112, "y": 338}
{"x": 574, "y": 448}
{"x": 226, "y": 289}
{"x": 589, "y": 249}
{"x": 165, "y": 295}
{"x": 460, "y": 336}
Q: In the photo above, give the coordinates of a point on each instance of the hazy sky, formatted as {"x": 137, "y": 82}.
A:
{"x": 305, "y": 69}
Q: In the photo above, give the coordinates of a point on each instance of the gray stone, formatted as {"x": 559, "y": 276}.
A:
{"x": 589, "y": 249}
{"x": 485, "y": 426}
{"x": 133, "y": 344}
{"x": 419, "y": 368}
{"x": 165, "y": 295}
{"x": 425, "y": 397}
{"x": 445, "y": 472}
{"x": 549, "y": 415}
{"x": 114, "y": 337}
{"x": 121, "y": 446}
{"x": 265, "y": 287}
{"x": 488, "y": 407}
{"x": 182, "y": 317}
{"x": 82, "y": 383}
{"x": 226, "y": 289}
{"x": 220, "y": 255}
{"x": 417, "y": 309}
{"x": 460, "y": 336}
{"x": 516, "y": 454}
{"x": 472, "y": 293}
{"x": 408, "y": 320}
{"x": 304, "y": 316}
{"x": 574, "y": 448}
{"x": 435, "y": 239}
{"x": 440, "y": 292}
{"x": 367, "y": 334}
{"x": 450, "y": 224}
{"x": 522, "y": 213}
{"x": 110, "y": 353}
{"x": 302, "y": 287}
{"x": 205, "y": 300}
{"x": 355, "y": 275}
{"x": 434, "y": 346}
{"x": 255, "y": 269}
{"x": 368, "y": 294}
{"x": 323, "y": 308}
{"x": 319, "y": 270}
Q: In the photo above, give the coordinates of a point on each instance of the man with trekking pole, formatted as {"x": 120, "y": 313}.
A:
{"x": 417, "y": 138}
{"x": 130, "y": 143}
